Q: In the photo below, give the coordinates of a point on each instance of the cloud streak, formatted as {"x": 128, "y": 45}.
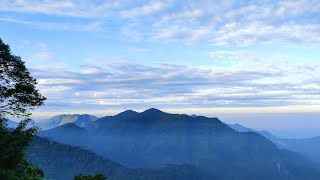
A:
{"x": 61, "y": 26}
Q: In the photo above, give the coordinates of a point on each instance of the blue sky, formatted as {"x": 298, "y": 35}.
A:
{"x": 221, "y": 58}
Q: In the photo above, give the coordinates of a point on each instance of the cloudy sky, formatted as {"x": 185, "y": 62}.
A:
{"x": 225, "y": 58}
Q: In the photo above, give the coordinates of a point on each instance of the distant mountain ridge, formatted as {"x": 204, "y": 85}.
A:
{"x": 154, "y": 120}
{"x": 240, "y": 128}
{"x": 153, "y": 138}
{"x": 78, "y": 119}
{"x": 11, "y": 124}
{"x": 309, "y": 147}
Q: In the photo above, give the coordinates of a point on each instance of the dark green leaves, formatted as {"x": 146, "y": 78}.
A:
{"x": 89, "y": 177}
{"x": 13, "y": 143}
{"x": 18, "y": 93}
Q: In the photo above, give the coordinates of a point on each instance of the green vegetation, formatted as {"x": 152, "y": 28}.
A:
{"x": 13, "y": 143}
{"x": 89, "y": 177}
{"x": 18, "y": 92}
{"x": 18, "y": 96}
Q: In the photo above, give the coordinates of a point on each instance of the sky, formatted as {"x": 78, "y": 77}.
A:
{"x": 252, "y": 62}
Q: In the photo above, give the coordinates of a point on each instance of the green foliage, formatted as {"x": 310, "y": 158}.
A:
{"x": 18, "y": 95}
{"x": 18, "y": 92}
{"x": 89, "y": 177}
{"x": 13, "y": 143}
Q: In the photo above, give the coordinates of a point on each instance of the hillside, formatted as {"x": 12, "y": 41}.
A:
{"x": 63, "y": 162}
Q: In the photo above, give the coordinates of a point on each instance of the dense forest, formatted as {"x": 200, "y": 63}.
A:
{"x": 60, "y": 161}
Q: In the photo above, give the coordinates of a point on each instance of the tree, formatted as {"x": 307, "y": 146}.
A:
{"x": 17, "y": 86}
{"x": 18, "y": 96}
{"x": 89, "y": 177}
{"x": 13, "y": 164}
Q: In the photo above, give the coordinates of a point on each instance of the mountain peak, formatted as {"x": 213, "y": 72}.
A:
{"x": 128, "y": 112}
{"x": 194, "y": 115}
{"x": 78, "y": 119}
{"x": 152, "y": 110}
{"x": 238, "y": 125}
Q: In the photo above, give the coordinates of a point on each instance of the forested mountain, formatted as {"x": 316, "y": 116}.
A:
{"x": 78, "y": 119}
{"x": 63, "y": 162}
{"x": 154, "y": 138}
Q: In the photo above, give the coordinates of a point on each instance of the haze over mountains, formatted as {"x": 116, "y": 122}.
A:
{"x": 309, "y": 147}
{"x": 63, "y": 162}
{"x": 153, "y": 138}
{"x": 306, "y": 146}
{"x": 11, "y": 124}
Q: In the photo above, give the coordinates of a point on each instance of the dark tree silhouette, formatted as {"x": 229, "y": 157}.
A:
{"x": 17, "y": 86}
{"x": 13, "y": 142}
{"x": 90, "y": 177}
{"x": 18, "y": 95}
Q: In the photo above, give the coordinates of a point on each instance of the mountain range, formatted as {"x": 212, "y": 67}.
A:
{"x": 78, "y": 119}
{"x": 153, "y": 138}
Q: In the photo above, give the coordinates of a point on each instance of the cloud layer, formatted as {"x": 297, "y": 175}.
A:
{"x": 216, "y": 22}
{"x": 217, "y": 30}
{"x": 128, "y": 84}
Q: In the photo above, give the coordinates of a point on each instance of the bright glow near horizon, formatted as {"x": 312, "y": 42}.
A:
{"x": 230, "y": 57}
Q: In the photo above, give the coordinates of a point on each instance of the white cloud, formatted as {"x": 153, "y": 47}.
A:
{"x": 146, "y": 9}
{"x": 59, "y": 7}
{"x": 60, "y": 26}
{"x": 236, "y": 33}
{"x": 42, "y": 55}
